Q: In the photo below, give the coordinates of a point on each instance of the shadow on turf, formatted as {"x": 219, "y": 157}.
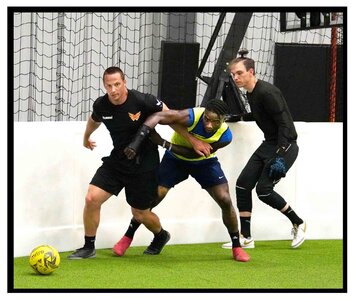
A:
{"x": 183, "y": 253}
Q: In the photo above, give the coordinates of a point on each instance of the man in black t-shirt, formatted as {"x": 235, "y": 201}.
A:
{"x": 273, "y": 158}
{"x": 123, "y": 112}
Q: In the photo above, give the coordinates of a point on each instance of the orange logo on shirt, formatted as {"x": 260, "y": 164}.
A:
{"x": 134, "y": 117}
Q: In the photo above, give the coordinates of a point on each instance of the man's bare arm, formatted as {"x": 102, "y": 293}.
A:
{"x": 163, "y": 117}
{"x": 90, "y": 128}
{"x": 200, "y": 147}
{"x": 168, "y": 117}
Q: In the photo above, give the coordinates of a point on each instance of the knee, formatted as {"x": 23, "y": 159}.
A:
{"x": 138, "y": 214}
{"x": 263, "y": 191}
{"x": 91, "y": 201}
{"x": 267, "y": 195}
{"x": 225, "y": 202}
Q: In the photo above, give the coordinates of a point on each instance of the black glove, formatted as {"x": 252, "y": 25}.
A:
{"x": 277, "y": 164}
{"x": 277, "y": 168}
{"x": 132, "y": 149}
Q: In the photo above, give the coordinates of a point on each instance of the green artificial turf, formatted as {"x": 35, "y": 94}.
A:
{"x": 317, "y": 264}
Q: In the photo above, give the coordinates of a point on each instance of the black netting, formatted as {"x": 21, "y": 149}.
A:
{"x": 59, "y": 58}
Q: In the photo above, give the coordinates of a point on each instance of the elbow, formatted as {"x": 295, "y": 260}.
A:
{"x": 152, "y": 121}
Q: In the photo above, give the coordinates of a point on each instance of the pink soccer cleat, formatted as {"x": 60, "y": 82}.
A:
{"x": 121, "y": 246}
{"x": 240, "y": 255}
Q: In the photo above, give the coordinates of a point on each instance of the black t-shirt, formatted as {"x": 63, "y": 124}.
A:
{"x": 271, "y": 113}
{"x": 123, "y": 121}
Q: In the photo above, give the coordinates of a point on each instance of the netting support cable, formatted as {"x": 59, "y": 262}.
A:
{"x": 209, "y": 48}
{"x": 60, "y": 63}
{"x": 229, "y": 51}
{"x": 332, "y": 110}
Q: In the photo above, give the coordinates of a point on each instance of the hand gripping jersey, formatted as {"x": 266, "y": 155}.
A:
{"x": 196, "y": 128}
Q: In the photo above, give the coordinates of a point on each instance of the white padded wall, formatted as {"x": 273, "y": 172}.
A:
{"x": 52, "y": 171}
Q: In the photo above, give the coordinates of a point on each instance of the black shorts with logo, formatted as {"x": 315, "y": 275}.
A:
{"x": 140, "y": 188}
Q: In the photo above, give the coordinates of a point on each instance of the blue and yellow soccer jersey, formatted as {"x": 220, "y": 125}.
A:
{"x": 196, "y": 128}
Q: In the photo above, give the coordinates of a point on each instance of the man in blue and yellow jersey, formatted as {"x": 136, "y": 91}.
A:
{"x": 180, "y": 160}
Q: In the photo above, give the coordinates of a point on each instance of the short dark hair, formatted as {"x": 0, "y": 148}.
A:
{"x": 247, "y": 62}
{"x": 113, "y": 70}
{"x": 218, "y": 106}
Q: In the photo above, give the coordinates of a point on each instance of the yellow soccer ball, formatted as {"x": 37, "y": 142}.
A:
{"x": 44, "y": 259}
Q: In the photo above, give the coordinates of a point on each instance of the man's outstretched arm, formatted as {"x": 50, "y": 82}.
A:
{"x": 163, "y": 117}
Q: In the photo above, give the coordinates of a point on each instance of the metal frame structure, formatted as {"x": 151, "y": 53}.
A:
{"x": 221, "y": 85}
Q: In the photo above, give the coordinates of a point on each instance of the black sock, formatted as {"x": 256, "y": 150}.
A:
{"x": 235, "y": 239}
{"x": 292, "y": 216}
{"x": 159, "y": 235}
{"x": 89, "y": 242}
{"x": 245, "y": 226}
{"x": 133, "y": 226}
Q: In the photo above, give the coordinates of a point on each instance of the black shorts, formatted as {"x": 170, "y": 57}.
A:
{"x": 140, "y": 189}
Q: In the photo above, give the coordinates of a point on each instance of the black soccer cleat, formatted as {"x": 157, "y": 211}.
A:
{"x": 82, "y": 253}
{"x": 158, "y": 243}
